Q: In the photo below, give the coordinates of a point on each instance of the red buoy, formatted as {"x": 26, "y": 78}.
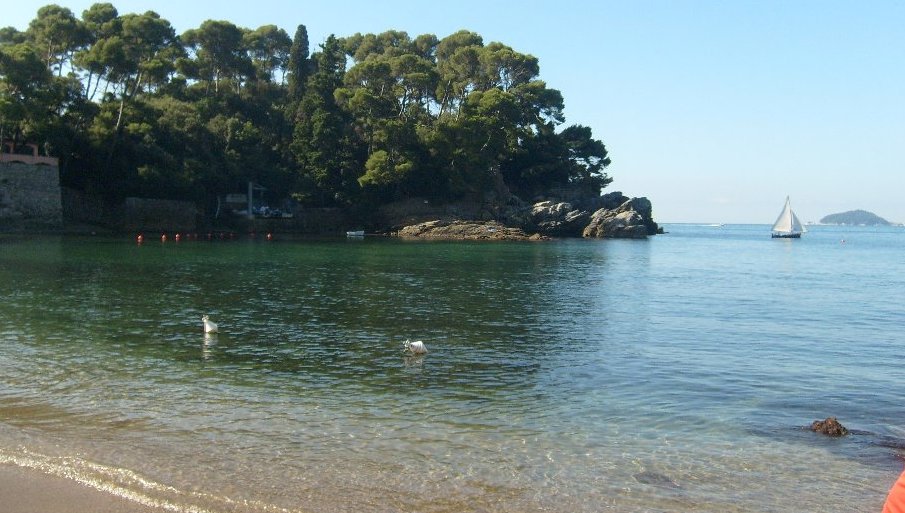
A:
{"x": 269, "y": 236}
{"x": 163, "y": 238}
{"x": 140, "y": 238}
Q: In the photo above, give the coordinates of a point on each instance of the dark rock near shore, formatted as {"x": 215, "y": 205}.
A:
{"x": 465, "y": 230}
{"x": 829, "y": 427}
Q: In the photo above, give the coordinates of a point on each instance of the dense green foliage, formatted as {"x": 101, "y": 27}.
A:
{"x": 132, "y": 108}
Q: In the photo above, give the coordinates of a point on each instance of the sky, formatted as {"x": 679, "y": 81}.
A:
{"x": 715, "y": 110}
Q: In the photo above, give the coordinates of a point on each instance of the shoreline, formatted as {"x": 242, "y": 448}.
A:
{"x": 24, "y": 490}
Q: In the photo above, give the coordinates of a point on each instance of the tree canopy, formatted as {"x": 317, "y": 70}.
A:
{"x": 132, "y": 108}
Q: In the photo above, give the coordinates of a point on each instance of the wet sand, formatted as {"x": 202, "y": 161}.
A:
{"x": 28, "y": 491}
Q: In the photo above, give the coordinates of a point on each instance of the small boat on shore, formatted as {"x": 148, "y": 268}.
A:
{"x": 787, "y": 225}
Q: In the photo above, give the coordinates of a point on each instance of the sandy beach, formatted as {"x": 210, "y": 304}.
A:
{"x": 28, "y": 491}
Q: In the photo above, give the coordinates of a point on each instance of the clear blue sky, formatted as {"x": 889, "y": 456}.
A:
{"x": 713, "y": 109}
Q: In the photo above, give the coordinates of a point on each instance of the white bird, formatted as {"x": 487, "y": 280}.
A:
{"x": 209, "y": 327}
{"x": 416, "y": 347}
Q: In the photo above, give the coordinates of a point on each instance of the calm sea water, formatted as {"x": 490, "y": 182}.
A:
{"x": 675, "y": 374}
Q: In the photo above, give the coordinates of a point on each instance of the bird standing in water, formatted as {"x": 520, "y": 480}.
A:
{"x": 416, "y": 347}
{"x": 209, "y": 326}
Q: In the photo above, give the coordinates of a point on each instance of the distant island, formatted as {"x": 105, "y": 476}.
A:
{"x": 855, "y": 217}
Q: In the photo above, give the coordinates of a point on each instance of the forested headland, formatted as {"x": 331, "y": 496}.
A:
{"x": 854, "y": 218}
{"x": 131, "y": 108}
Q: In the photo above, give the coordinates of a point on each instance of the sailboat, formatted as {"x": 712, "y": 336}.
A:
{"x": 787, "y": 225}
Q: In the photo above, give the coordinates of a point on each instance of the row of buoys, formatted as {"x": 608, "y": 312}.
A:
{"x": 179, "y": 237}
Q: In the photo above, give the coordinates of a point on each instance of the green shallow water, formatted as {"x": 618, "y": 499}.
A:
{"x": 660, "y": 375}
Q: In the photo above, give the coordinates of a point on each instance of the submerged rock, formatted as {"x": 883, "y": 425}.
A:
{"x": 829, "y": 427}
{"x": 655, "y": 479}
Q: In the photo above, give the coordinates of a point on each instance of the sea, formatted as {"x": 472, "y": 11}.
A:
{"x": 675, "y": 374}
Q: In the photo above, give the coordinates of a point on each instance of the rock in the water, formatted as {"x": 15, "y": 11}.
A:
{"x": 630, "y": 220}
{"x": 616, "y": 216}
{"x": 829, "y": 427}
{"x": 621, "y": 223}
{"x": 464, "y": 230}
{"x": 655, "y": 479}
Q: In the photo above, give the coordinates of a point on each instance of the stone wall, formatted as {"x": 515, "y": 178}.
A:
{"x": 133, "y": 214}
{"x": 158, "y": 215}
{"x": 168, "y": 216}
{"x": 320, "y": 221}
{"x": 30, "y": 196}
{"x": 82, "y": 208}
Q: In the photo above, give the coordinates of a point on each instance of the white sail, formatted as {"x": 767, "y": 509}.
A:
{"x": 788, "y": 222}
{"x": 797, "y": 226}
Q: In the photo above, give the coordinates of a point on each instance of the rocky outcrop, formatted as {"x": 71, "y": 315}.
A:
{"x": 630, "y": 220}
{"x": 465, "y": 230}
{"x": 613, "y": 224}
{"x": 610, "y": 216}
{"x": 829, "y": 427}
{"x": 558, "y": 219}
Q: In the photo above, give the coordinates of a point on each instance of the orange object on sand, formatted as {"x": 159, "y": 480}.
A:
{"x": 895, "y": 501}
